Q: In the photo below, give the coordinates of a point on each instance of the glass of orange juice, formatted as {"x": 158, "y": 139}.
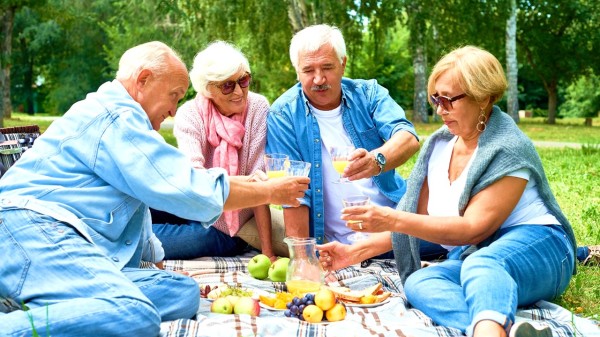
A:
{"x": 276, "y": 164}
{"x": 340, "y": 155}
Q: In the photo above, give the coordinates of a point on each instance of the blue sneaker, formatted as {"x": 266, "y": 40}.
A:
{"x": 525, "y": 329}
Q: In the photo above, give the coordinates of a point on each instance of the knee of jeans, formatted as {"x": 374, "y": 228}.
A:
{"x": 190, "y": 295}
{"x": 147, "y": 318}
{"x": 416, "y": 284}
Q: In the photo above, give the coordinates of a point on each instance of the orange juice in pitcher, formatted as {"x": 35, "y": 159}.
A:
{"x": 304, "y": 274}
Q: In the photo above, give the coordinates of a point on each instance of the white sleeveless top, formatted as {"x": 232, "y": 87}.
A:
{"x": 444, "y": 196}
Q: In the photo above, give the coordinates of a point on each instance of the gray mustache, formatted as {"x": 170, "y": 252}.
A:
{"x": 320, "y": 87}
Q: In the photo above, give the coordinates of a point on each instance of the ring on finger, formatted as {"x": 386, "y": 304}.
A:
{"x": 360, "y": 225}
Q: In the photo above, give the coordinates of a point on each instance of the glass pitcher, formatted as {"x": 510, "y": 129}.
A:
{"x": 304, "y": 273}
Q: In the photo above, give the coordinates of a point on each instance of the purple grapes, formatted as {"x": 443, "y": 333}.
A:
{"x": 296, "y": 306}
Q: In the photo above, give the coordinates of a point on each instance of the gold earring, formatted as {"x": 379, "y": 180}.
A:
{"x": 482, "y": 119}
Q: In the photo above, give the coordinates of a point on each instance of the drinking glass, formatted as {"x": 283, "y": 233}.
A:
{"x": 297, "y": 168}
{"x": 276, "y": 164}
{"x": 356, "y": 200}
{"x": 340, "y": 155}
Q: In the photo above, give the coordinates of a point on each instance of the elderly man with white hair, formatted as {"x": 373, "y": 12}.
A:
{"x": 325, "y": 110}
{"x": 74, "y": 209}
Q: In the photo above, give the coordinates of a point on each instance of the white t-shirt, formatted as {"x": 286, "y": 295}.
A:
{"x": 333, "y": 133}
{"x": 444, "y": 196}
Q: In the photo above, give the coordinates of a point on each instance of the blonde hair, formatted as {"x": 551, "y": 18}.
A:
{"x": 478, "y": 73}
{"x": 312, "y": 38}
{"x": 217, "y": 62}
{"x": 154, "y": 56}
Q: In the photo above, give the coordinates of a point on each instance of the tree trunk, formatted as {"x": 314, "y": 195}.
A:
{"x": 512, "y": 66}
{"x": 297, "y": 14}
{"x": 417, "y": 27}
{"x": 420, "y": 113}
{"x": 552, "y": 89}
{"x": 588, "y": 121}
{"x": 7, "y": 16}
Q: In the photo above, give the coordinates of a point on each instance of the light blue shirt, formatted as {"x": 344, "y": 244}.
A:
{"x": 101, "y": 165}
{"x": 370, "y": 117}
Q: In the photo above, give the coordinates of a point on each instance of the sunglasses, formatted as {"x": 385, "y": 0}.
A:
{"x": 228, "y": 87}
{"x": 445, "y": 102}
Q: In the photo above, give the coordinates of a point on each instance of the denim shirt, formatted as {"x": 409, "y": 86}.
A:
{"x": 101, "y": 165}
{"x": 370, "y": 117}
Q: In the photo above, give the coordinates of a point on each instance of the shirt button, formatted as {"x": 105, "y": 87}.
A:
{"x": 317, "y": 140}
{"x": 318, "y": 215}
{"x": 317, "y": 165}
{"x": 128, "y": 242}
{"x": 318, "y": 190}
{"x": 116, "y": 259}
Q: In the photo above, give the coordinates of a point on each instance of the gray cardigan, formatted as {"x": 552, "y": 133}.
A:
{"x": 503, "y": 149}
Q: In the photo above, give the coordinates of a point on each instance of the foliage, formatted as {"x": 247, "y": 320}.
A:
{"x": 582, "y": 98}
{"x": 74, "y": 46}
{"x": 557, "y": 40}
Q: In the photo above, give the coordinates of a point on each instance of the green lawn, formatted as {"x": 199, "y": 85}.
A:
{"x": 574, "y": 176}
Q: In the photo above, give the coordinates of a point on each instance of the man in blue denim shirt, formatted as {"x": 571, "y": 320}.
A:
{"x": 325, "y": 110}
{"x": 74, "y": 217}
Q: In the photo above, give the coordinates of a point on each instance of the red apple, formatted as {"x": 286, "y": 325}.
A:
{"x": 247, "y": 305}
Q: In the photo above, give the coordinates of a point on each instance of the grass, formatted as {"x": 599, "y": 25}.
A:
{"x": 574, "y": 176}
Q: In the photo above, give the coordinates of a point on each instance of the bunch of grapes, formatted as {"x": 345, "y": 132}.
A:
{"x": 296, "y": 306}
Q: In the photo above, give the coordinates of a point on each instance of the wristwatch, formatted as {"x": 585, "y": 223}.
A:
{"x": 380, "y": 161}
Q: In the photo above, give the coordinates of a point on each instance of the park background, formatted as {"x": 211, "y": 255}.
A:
{"x": 54, "y": 52}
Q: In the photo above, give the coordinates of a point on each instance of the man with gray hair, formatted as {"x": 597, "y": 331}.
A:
{"x": 74, "y": 216}
{"x": 326, "y": 110}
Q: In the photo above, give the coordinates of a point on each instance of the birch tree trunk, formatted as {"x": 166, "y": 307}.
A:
{"x": 417, "y": 27}
{"x": 512, "y": 66}
{"x": 297, "y": 14}
{"x": 7, "y": 15}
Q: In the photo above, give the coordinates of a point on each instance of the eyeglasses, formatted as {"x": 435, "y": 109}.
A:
{"x": 446, "y": 102}
{"x": 228, "y": 87}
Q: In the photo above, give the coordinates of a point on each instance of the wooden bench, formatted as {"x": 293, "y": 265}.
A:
{"x": 13, "y": 142}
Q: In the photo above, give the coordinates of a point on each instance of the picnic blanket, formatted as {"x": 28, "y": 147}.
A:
{"x": 394, "y": 318}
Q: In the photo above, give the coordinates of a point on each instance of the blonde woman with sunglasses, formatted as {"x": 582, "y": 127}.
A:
{"x": 479, "y": 189}
{"x": 223, "y": 126}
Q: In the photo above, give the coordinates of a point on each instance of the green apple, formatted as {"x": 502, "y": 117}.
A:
{"x": 258, "y": 266}
{"x": 247, "y": 305}
{"x": 278, "y": 269}
{"x": 221, "y": 306}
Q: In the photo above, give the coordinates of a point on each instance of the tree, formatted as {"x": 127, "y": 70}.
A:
{"x": 512, "y": 65}
{"x": 7, "y": 15}
{"x": 558, "y": 40}
{"x": 581, "y": 98}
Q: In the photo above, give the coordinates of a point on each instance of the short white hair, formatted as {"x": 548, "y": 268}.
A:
{"x": 217, "y": 62}
{"x": 312, "y": 38}
{"x": 154, "y": 56}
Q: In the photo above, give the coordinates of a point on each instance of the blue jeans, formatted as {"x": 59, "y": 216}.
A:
{"x": 72, "y": 288}
{"x": 192, "y": 240}
{"x": 525, "y": 264}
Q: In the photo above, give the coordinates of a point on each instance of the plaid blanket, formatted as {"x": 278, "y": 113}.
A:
{"x": 393, "y": 318}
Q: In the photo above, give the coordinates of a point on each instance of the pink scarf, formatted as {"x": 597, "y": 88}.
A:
{"x": 225, "y": 135}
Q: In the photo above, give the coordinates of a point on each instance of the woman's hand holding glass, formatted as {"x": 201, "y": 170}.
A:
{"x": 351, "y": 201}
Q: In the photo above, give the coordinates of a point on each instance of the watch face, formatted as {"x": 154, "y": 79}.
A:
{"x": 380, "y": 159}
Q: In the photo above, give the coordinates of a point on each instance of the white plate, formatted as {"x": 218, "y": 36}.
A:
{"x": 270, "y": 308}
{"x": 371, "y": 305}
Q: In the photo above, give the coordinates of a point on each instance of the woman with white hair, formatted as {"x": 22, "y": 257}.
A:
{"x": 223, "y": 126}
